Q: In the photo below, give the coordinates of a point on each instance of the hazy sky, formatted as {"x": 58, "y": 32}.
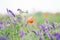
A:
{"x": 38, "y": 5}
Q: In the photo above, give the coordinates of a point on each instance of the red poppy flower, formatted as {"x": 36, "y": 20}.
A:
{"x": 30, "y": 20}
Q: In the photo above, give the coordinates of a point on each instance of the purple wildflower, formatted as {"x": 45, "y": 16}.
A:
{"x": 9, "y": 11}
{"x": 8, "y": 21}
{"x": 42, "y": 27}
{"x": 53, "y": 24}
{"x": 47, "y": 31}
{"x": 40, "y": 38}
{"x": 15, "y": 20}
{"x": 50, "y": 36}
{"x": 37, "y": 26}
{"x": 19, "y": 19}
{"x": 47, "y": 22}
{"x": 34, "y": 32}
{"x": 1, "y": 25}
{"x": 41, "y": 35}
{"x": 57, "y": 36}
{"x": 6, "y": 36}
{"x": 21, "y": 33}
{"x": 2, "y": 38}
{"x": 19, "y": 10}
{"x": 1, "y": 22}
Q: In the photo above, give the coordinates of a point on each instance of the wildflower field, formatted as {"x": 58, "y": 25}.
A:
{"x": 38, "y": 26}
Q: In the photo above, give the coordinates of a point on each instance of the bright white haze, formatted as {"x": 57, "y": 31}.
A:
{"x": 38, "y": 5}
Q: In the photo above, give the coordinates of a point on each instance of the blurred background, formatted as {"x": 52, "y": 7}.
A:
{"x": 30, "y": 5}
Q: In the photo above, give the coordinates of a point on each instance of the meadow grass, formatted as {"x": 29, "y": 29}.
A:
{"x": 14, "y": 32}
